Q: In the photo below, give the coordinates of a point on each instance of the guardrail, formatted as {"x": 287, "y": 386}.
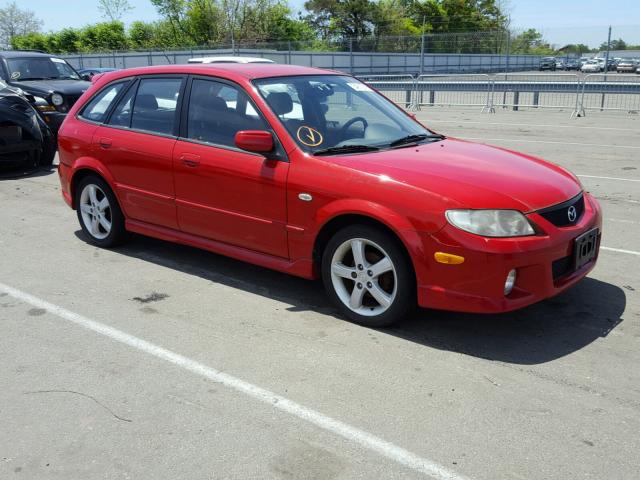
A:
{"x": 569, "y": 91}
{"x": 466, "y": 90}
{"x": 610, "y": 92}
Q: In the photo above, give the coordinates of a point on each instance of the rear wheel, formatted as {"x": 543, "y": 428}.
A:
{"x": 368, "y": 276}
{"x": 99, "y": 214}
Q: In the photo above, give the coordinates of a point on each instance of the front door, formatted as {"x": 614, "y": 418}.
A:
{"x": 224, "y": 193}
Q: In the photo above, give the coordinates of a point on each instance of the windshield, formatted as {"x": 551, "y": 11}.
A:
{"x": 40, "y": 68}
{"x": 330, "y": 114}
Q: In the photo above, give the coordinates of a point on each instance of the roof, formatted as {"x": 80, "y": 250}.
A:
{"x": 228, "y": 59}
{"x": 229, "y": 70}
{"x": 23, "y": 54}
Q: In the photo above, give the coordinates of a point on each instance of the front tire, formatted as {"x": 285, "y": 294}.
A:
{"x": 99, "y": 213}
{"x": 368, "y": 276}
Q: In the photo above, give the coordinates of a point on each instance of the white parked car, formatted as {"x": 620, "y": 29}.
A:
{"x": 229, "y": 60}
{"x": 592, "y": 66}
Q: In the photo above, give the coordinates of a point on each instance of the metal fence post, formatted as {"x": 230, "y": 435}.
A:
{"x": 508, "y": 51}
{"x": 422, "y": 54}
{"x": 351, "y": 56}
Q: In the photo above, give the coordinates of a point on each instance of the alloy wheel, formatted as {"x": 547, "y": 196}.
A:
{"x": 95, "y": 211}
{"x": 364, "y": 277}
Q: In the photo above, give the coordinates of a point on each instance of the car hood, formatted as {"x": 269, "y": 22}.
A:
{"x": 471, "y": 175}
{"x": 45, "y": 87}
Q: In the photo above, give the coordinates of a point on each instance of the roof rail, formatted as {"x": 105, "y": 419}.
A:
{"x": 29, "y": 50}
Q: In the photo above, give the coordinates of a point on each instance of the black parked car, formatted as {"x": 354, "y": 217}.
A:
{"x": 547, "y": 63}
{"x": 89, "y": 73}
{"x": 51, "y": 81}
{"x": 25, "y": 139}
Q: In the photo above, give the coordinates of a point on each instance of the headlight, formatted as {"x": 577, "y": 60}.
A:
{"x": 57, "y": 99}
{"x": 491, "y": 223}
{"x": 42, "y": 105}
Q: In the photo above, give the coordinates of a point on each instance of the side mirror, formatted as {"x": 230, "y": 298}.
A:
{"x": 258, "y": 141}
{"x": 86, "y": 77}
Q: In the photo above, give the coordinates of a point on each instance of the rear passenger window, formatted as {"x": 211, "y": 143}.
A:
{"x": 96, "y": 109}
{"x": 217, "y": 111}
{"x": 154, "y": 109}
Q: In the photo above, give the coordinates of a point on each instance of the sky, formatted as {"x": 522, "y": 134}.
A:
{"x": 561, "y": 21}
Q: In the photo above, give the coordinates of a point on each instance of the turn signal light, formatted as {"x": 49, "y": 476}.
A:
{"x": 448, "y": 258}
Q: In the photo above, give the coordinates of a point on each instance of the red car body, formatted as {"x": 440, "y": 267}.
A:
{"x": 244, "y": 206}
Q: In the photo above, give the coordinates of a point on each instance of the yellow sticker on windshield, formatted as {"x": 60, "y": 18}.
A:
{"x": 309, "y": 136}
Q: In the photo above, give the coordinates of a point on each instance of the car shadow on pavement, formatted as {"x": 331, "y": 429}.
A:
{"x": 537, "y": 334}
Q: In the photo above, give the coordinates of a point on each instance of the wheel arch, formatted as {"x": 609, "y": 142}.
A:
{"x": 407, "y": 240}
{"x": 85, "y": 167}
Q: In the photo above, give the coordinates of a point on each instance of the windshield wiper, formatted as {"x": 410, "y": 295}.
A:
{"x": 411, "y": 139}
{"x": 346, "y": 149}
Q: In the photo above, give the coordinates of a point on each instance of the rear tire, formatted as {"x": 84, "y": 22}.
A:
{"x": 368, "y": 276}
{"x": 99, "y": 213}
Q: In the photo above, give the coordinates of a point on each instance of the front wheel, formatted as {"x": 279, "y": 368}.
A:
{"x": 368, "y": 276}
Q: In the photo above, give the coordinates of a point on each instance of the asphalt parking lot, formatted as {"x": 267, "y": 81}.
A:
{"x": 159, "y": 361}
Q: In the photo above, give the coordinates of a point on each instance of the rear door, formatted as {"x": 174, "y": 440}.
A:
{"x": 137, "y": 144}
{"x": 224, "y": 193}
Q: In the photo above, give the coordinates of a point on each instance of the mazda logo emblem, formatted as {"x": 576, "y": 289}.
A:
{"x": 572, "y": 213}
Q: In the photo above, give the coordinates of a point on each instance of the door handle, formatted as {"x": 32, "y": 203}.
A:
{"x": 105, "y": 142}
{"x": 190, "y": 160}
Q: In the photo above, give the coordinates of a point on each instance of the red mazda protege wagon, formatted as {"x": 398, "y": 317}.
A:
{"x": 313, "y": 173}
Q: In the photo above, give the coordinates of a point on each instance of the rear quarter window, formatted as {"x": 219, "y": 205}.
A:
{"x": 97, "y": 108}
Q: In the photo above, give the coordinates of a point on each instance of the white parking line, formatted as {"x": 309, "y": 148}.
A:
{"x": 430, "y": 120}
{"x": 611, "y": 178}
{"x": 619, "y": 250}
{"x": 353, "y": 434}
{"x": 518, "y": 140}
{"x": 621, "y": 220}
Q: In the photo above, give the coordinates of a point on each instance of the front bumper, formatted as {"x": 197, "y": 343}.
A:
{"x": 477, "y": 285}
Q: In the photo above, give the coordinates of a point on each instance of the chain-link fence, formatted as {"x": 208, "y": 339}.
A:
{"x": 469, "y": 52}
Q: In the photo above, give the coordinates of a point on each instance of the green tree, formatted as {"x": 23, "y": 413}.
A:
{"x": 615, "y": 45}
{"x": 530, "y": 42}
{"x": 103, "y": 37}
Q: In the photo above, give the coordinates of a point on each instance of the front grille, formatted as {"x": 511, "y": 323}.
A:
{"x": 559, "y": 214}
{"x": 562, "y": 267}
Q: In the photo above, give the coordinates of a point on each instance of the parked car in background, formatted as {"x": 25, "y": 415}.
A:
{"x": 89, "y": 73}
{"x": 387, "y": 212}
{"x": 547, "y": 63}
{"x": 572, "y": 64}
{"x": 560, "y": 64}
{"x": 229, "y": 60}
{"x": 627, "y": 66}
{"x": 592, "y": 66}
{"x": 25, "y": 139}
{"x": 54, "y": 84}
